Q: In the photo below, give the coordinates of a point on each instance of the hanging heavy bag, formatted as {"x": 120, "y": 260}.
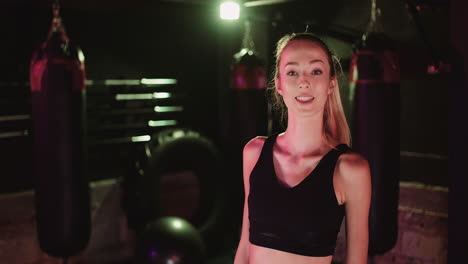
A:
{"x": 249, "y": 114}
{"x": 374, "y": 82}
{"x": 247, "y": 82}
{"x": 57, "y": 80}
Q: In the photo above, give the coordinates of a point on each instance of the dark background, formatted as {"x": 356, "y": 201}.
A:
{"x": 187, "y": 40}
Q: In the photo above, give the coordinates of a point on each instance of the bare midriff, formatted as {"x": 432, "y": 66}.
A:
{"x": 261, "y": 255}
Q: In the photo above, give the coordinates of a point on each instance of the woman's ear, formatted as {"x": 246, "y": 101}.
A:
{"x": 332, "y": 87}
{"x": 278, "y": 86}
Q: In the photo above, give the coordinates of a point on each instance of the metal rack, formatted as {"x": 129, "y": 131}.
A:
{"x": 121, "y": 113}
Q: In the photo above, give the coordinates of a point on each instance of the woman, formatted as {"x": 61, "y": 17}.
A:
{"x": 299, "y": 184}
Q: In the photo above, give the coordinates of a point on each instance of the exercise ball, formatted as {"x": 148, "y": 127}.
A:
{"x": 169, "y": 240}
{"x": 178, "y": 173}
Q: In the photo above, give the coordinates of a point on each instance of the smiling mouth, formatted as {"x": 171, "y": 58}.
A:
{"x": 305, "y": 98}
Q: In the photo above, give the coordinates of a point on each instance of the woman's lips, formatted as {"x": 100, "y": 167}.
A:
{"x": 305, "y": 99}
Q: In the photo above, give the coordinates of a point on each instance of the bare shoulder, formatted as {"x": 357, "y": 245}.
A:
{"x": 254, "y": 146}
{"x": 353, "y": 167}
{"x": 355, "y": 179}
{"x": 251, "y": 153}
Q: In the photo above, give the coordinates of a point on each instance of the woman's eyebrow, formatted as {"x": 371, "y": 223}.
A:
{"x": 314, "y": 61}
{"x": 310, "y": 62}
{"x": 291, "y": 63}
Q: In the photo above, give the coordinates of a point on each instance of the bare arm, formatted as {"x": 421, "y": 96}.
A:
{"x": 250, "y": 156}
{"x": 355, "y": 175}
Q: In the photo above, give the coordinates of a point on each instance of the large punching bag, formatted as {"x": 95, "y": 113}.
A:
{"x": 247, "y": 116}
{"x": 248, "y": 82}
{"x": 374, "y": 83}
{"x": 57, "y": 78}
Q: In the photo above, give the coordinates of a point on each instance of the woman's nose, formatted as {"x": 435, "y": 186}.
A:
{"x": 303, "y": 82}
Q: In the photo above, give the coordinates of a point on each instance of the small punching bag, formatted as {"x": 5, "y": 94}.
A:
{"x": 57, "y": 78}
{"x": 248, "y": 81}
{"x": 374, "y": 83}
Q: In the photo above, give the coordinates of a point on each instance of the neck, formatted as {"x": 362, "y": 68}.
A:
{"x": 304, "y": 135}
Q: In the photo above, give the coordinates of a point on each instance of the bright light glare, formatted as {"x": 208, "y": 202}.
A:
{"x": 158, "y": 81}
{"x": 81, "y": 55}
{"x": 177, "y": 224}
{"x": 164, "y": 109}
{"x": 178, "y": 134}
{"x": 161, "y": 123}
{"x": 229, "y": 10}
{"x": 161, "y": 95}
{"x": 141, "y": 138}
{"x": 142, "y": 96}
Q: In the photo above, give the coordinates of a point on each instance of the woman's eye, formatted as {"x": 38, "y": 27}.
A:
{"x": 317, "y": 72}
{"x": 291, "y": 73}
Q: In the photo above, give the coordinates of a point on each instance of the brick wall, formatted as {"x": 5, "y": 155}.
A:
{"x": 423, "y": 223}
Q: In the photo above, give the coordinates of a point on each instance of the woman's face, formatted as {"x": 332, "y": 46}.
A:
{"x": 304, "y": 79}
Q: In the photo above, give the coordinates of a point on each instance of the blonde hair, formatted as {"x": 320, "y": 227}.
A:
{"x": 335, "y": 126}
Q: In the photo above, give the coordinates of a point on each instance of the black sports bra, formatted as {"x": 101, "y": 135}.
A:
{"x": 304, "y": 219}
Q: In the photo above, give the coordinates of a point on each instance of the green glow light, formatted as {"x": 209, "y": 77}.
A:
{"x": 13, "y": 134}
{"x": 158, "y": 81}
{"x": 121, "y": 82}
{"x": 14, "y": 117}
{"x": 177, "y": 224}
{"x": 229, "y": 10}
{"x": 135, "y": 82}
{"x": 165, "y": 109}
{"x": 159, "y": 123}
{"x": 142, "y": 96}
{"x": 81, "y": 55}
{"x": 263, "y": 2}
{"x": 161, "y": 95}
{"x": 143, "y": 138}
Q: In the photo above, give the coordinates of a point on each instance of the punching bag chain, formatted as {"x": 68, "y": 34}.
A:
{"x": 57, "y": 25}
{"x": 438, "y": 65}
{"x": 247, "y": 41}
{"x": 374, "y": 23}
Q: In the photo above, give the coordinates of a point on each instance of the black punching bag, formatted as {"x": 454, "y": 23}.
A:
{"x": 374, "y": 82}
{"x": 249, "y": 114}
{"x": 57, "y": 79}
{"x": 248, "y": 82}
